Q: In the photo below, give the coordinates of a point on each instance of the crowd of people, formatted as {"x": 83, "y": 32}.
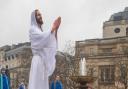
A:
{"x": 5, "y": 81}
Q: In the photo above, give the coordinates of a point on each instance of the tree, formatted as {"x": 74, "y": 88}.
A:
{"x": 69, "y": 48}
{"x": 124, "y": 67}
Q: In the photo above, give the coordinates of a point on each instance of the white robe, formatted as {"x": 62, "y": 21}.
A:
{"x": 43, "y": 44}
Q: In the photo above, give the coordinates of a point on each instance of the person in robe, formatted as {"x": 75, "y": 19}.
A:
{"x": 57, "y": 84}
{"x": 44, "y": 47}
{"x": 22, "y": 86}
{"x": 7, "y": 72}
{"x": 4, "y": 81}
{"x": 1, "y": 80}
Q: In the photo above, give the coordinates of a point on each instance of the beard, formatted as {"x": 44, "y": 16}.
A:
{"x": 39, "y": 21}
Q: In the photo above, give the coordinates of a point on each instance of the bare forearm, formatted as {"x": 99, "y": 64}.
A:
{"x": 54, "y": 31}
{"x": 56, "y": 34}
{"x": 56, "y": 25}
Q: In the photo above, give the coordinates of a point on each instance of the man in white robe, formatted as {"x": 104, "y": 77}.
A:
{"x": 44, "y": 46}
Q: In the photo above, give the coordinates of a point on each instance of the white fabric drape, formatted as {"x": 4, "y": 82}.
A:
{"x": 44, "y": 45}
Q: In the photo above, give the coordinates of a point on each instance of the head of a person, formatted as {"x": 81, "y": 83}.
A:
{"x": 57, "y": 78}
{"x": 6, "y": 66}
{"x": 3, "y": 70}
{"x": 38, "y": 17}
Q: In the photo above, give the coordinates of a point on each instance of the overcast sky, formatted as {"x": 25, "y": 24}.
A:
{"x": 81, "y": 19}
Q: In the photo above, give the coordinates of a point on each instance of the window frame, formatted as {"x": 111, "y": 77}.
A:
{"x": 109, "y": 72}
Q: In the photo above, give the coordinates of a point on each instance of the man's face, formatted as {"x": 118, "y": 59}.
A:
{"x": 3, "y": 71}
{"x": 38, "y": 17}
{"x": 57, "y": 77}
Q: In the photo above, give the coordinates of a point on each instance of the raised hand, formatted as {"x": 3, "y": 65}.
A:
{"x": 56, "y": 24}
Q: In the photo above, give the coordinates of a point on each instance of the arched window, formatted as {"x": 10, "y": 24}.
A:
{"x": 12, "y": 56}
{"x": 127, "y": 31}
{"x": 9, "y": 58}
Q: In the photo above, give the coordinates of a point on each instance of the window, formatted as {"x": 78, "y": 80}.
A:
{"x": 117, "y": 18}
{"x": 107, "y": 74}
{"x": 117, "y": 30}
{"x": 127, "y": 31}
{"x": 12, "y": 56}
{"x": 16, "y": 55}
{"x": 5, "y": 58}
{"x": 9, "y": 58}
{"x": 107, "y": 50}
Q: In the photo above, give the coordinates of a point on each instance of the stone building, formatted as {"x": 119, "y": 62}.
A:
{"x": 107, "y": 58}
{"x": 117, "y": 25}
{"x": 18, "y": 59}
